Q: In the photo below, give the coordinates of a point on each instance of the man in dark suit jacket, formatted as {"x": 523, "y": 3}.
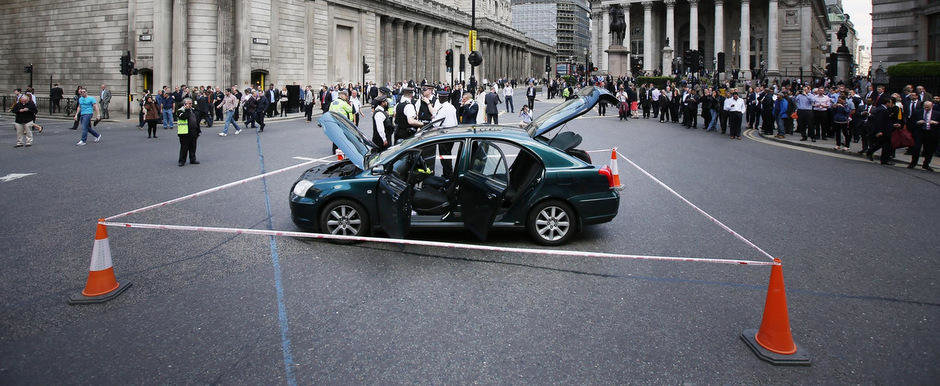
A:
{"x": 272, "y": 96}
{"x": 55, "y": 94}
{"x": 927, "y": 124}
{"x": 882, "y": 125}
{"x": 492, "y": 106}
{"x": 530, "y": 95}
{"x": 468, "y": 109}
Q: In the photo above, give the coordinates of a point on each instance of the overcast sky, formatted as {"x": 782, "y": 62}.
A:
{"x": 860, "y": 13}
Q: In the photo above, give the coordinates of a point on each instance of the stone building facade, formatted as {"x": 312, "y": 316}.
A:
{"x": 784, "y": 37}
{"x": 242, "y": 42}
{"x": 904, "y": 31}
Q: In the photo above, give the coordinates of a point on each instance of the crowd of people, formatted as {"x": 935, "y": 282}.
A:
{"x": 853, "y": 113}
{"x": 858, "y": 112}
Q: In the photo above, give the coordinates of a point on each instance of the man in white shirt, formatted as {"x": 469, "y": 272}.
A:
{"x": 655, "y": 97}
{"x": 735, "y": 108}
{"x": 406, "y": 117}
{"x": 507, "y": 94}
{"x": 445, "y": 111}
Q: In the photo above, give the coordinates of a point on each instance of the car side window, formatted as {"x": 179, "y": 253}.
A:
{"x": 488, "y": 160}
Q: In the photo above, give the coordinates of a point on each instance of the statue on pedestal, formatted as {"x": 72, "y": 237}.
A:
{"x": 618, "y": 27}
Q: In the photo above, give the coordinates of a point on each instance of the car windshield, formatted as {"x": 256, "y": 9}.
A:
{"x": 560, "y": 112}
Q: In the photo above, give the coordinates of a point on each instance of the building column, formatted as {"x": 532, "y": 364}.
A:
{"x": 605, "y": 38}
{"x": 626, "y": 20}
{"x": 745, "y": 34}
{"x": 162, "y": 42}
{"x": 180, "y": 42}
{"x": 648, "y": 36}
{"x": 413, "y": 52}
{"x": 806, "y": 39}
{"x": 399, "y": 50}
{"x": 693, "y": 24}
{"x": 670, "y": 35}
{"x": 431, "y": 56}
{"x": 719, "y": 29}
{"x": 420, "y": 54}
{"x": 595, "y": 39}
{"x": 242, "y": 45}
{"x": 387, "y": 50}
{"x": 773, "y": 67}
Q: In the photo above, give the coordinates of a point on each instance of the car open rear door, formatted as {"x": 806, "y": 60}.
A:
{"x": 482, "y": 187}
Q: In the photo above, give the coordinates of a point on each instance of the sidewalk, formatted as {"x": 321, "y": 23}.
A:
{"x": 830, "y": 144}
{"x": 134, "y": 118}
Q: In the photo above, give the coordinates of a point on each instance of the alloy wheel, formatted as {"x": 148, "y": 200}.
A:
{"x": 552, "y": 223}
{"x": 344, "y": 220}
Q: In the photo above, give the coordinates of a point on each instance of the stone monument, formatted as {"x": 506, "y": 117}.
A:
{"x": 618, "y": 56}
{"x": 667, "y": 59}
{"x": 843, "y": 56}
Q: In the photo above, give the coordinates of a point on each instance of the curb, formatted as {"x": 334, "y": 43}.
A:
{"x": 809, "y": 145}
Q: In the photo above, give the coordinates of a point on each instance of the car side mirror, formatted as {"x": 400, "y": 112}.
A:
{"x": 378, "y": 170}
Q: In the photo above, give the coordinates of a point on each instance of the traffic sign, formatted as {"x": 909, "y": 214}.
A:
{"x": 472, "y": 37}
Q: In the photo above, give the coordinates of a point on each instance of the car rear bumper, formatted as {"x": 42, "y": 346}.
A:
{"x": 596, "y": 208}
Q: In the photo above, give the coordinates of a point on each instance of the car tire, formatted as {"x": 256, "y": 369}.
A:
{"x": 552, "y": 222}
{"x": 344, "y": 217}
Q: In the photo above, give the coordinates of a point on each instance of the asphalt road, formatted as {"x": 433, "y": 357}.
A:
{"x": 857, "y": 240}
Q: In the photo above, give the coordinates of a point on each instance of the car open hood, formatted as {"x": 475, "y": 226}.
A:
{"x": 347, "y": 138}
{"x": 583, "y": 102}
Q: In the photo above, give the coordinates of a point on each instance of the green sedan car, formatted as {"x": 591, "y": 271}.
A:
{"x": 476, "y": 177}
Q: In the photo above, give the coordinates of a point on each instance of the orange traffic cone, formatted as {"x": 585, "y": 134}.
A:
{"x": 339, "y": 155}
{"x": 101, "y": 285}
{"x": 614, "y": 169}
{"x": 773, "y": 342}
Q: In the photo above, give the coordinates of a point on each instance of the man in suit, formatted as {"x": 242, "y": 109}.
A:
{"x": 262, "y": 106}
{"x": 468, "y": 109}
{"x": 55, "y": 94}
{"x": 492, "y": 106}
{"x": 882, "y": 125}
{"x": 927, "y": 123}
{"x": 530, "y": 95}
{"x": 272, "y": 96}
{"x": 105, "y": 101}
{"x": 188, "y": 132}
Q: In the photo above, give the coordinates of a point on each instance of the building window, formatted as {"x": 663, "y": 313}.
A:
{"x": 933, "y": 37}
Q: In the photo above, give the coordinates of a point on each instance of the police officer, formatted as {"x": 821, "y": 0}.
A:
{"x": 406, "y": 116}
{"x": 187, "y": 128}
{"x": 425, "y": 106}
{"x": 341, "y": 106}
{"x": 382, "y": 127}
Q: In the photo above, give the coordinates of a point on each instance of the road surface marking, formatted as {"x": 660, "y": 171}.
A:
{"x": 14, "y": 176}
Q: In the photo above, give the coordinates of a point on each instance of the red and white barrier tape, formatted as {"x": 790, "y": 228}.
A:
{"x": 708, "y": 216}
{"x": 218, "y": 188}
{"x": 552, "y": 252}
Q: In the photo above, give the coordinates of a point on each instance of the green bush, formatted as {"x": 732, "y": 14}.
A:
{"x": 915, "y": 69}
{"x": 659, "y": 81}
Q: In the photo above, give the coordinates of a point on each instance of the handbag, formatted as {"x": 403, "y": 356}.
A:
{"x": 902, "y": 138}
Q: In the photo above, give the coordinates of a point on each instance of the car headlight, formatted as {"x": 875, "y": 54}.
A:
{"x": 301, "y": 188}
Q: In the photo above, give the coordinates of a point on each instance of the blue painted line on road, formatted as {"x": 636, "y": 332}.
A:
{"x": 278, "y": 285}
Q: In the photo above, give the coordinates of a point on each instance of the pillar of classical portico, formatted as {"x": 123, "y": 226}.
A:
{"x": 746, "y": 39}
{"x": 626, "y": 35}
{"x": 773, "y": 68}
{"x": 605, "y": 37}
{"x": 387, "y": 50}
{"x": 180, "y": 48}
{"x": 413, "y": 52}
{"x": 400, "y": 61}
{"x": 670, "y": 35}
{"x": 419, "y": 53}
{"x": 806, "y": 38}
{"x": 162, "y": 42}
{"x": 693, "y": 24}
{"x": 648, "y": 36}
{"x": 429, "y": 55}
{"x": 719, "y": 29}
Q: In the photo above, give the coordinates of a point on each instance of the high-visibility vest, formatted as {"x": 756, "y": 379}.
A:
{"x": 182, "y": 126}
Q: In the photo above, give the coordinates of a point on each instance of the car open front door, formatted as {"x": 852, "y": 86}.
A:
{"x": 394, "y": 203}
{"x": 396, "y": 192}
{"x": 482, "y": 187}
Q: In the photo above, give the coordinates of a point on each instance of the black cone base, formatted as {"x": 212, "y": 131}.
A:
{"x": 82, "y": 299}
{"x": 799, "y": 358}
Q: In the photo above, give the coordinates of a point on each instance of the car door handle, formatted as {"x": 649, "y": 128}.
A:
{"x": 491, "y": 196}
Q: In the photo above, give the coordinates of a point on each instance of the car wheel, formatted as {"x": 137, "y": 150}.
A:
{"x": 344, "y": 217}
{"x": 551, "y": 222}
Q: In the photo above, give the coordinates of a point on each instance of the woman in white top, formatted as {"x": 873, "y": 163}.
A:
{"x": 481, "y": 101}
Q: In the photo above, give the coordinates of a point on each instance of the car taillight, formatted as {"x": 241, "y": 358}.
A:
{"x": 605, "y": 171}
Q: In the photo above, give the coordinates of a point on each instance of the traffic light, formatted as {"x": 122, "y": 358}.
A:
{"x": 475, "y": 58}
{"x": 365, "y": 66}
{"x": 449, "y": 58}
{"x": 28, "y": 69}
{"x": 127, "y": 65}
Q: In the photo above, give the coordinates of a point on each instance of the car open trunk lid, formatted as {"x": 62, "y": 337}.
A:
{"x": 583, "y": 102}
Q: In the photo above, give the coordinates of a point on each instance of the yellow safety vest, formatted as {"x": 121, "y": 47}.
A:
{"x": 182, "y": 126}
